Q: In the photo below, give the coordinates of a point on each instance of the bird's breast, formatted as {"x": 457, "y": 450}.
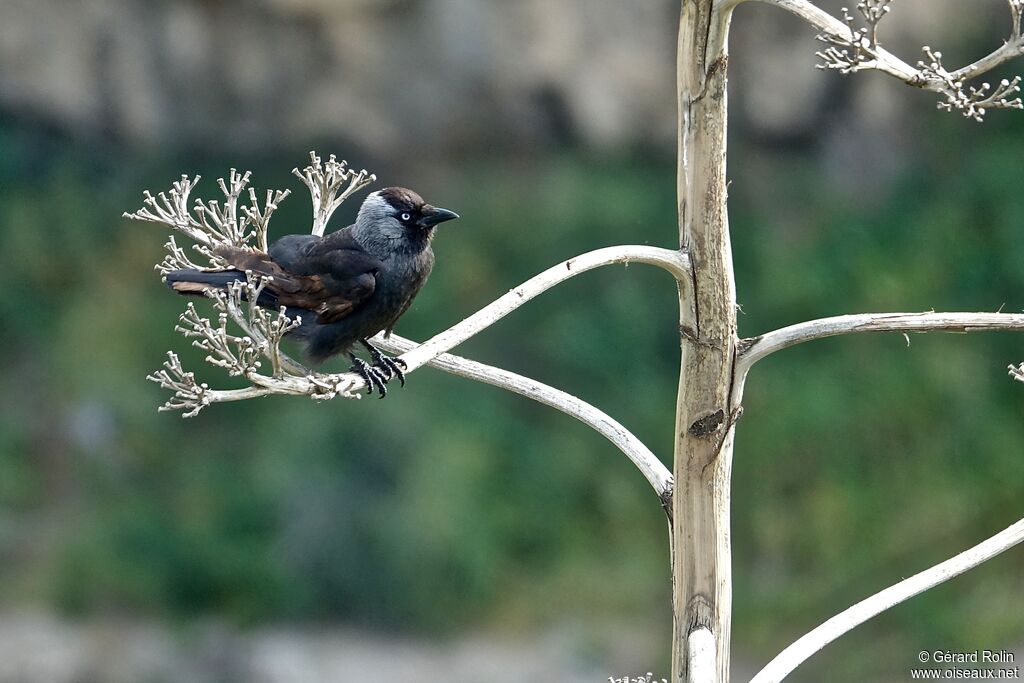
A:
{"x": 409, "y": 269}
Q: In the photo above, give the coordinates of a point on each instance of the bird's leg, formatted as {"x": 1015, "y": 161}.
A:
{"x": 393, "y": 366}
{"x": 374, "y": 377}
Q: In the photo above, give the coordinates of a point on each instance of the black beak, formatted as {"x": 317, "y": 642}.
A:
{"x": 432, "y": 215}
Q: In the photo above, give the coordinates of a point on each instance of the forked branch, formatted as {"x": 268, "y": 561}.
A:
{"x": 852, "y": 45}
{"x": 848, "y": 619}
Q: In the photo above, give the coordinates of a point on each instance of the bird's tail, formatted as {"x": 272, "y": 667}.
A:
{"x": 199, "y": 282}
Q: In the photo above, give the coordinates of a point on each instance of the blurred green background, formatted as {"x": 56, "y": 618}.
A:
{"x": 453, "y": 509}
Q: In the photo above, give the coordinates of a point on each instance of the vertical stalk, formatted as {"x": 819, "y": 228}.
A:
{"x": 705, "y": 409}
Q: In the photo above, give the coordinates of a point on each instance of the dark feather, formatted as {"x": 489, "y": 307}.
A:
{"x": 328, "y": 276}
{"x": 199, "y": 282}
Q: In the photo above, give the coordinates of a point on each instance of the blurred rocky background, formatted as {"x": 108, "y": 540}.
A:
{"x": 395, "y": 78}
{"x": 453, "y": 532}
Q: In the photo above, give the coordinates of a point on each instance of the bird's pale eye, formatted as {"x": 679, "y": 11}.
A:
{"x": 406, "y": 216}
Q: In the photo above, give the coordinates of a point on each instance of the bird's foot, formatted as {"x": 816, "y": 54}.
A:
{"x": 375, "y": 377}
{"x": 394, "y": 367}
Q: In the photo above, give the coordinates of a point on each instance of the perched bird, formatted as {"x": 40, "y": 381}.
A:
{"x": 345, "y": 286}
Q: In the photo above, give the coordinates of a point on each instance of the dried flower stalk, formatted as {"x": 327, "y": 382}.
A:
{"x": 851, "y": 47}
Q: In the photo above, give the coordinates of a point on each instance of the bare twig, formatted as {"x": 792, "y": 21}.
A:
{"x": 974, "y": 101}
{"x": 261, "y": 218}
{"x": 850, "y": 49}
{"x": 674, "y": 262}
{"x": 753, "y": 350}
{"x": 1011, "y": 49}
{"x": 176, "y": 258}
{"x": 210, "y": 223}
{"x": 1017, "y": 372}
{"x": 329, "y": 185}
{"x": 857, "y": 48}
{"x": 848, "y": 619}
{"x": 171, "y": 209}
{"x": 829, "y": 25}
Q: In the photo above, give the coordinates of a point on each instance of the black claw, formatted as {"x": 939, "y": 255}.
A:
{"x": 392, "y": 367}
{"x": 374, "y": 377}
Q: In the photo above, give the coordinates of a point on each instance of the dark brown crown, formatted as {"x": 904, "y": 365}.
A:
{"x": 402, "y": 199}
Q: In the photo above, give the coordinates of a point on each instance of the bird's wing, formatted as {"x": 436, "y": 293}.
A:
{"x": 289, "y": 251}
{"x": 341, "y": 255}
{"x": 330, "y": 298}
{"x": 303, "y": 274}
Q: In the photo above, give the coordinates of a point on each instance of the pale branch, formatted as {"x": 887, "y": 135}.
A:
{"x": 675, "y": 262}
{"x": 176, "y": 258}
{"x": 756, "y": 348}
{"x": 1017, "y": 372}
{"x": 974, "y": 101}
{"x": 260, "y": 218}
{"x": 883, "y": 60}
{"x": 702, "y": 439}
{"x": 649, "y": 465}
{"x": 701, "y": 646}
{"x": 238, "y": 355}
{"x": 850, "y": 618}
{"x": 329, "y": 185}
{"x": 851, "y": 49}
{"x": 1010, "y": 49}
{"x": 256, "y": 324}
{"x": 858, "y": 50}
{"x": 191, "y": 396}
{"x": 171, "y": 209}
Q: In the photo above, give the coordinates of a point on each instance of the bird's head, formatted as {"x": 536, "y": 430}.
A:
{"x": 397, "y": 213}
